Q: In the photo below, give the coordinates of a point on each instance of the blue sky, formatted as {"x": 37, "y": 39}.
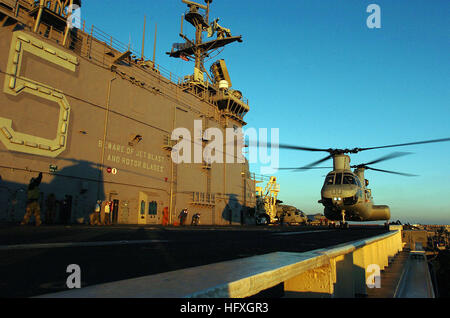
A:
{"x": 313, "y": 69}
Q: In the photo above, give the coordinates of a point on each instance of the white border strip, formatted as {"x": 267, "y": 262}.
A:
{"x": 76, "y": 244}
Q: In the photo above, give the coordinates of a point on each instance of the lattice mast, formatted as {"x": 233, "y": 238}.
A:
{"x": 197, "y": 50}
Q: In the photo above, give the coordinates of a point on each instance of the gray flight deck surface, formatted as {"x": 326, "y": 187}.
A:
{"x": 33, "y": 261}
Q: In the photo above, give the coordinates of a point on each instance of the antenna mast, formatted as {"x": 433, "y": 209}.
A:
{"x": 143, "y": 40}
{"x": 197, "y": 49}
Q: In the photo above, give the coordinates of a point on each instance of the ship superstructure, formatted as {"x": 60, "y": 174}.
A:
{"x": 96, "y": 118}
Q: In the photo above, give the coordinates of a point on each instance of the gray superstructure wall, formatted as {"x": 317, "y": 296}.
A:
{"x": 109, "y": 110}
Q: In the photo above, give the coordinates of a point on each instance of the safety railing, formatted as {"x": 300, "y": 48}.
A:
{"x": 345, "y": 270}
{"x": 100, "y": 47}
{"x": 16, "y": 8}
{"x": 203, "y": 198}
{"x": 96, "y": 45}
{"x": 109, "y": 42}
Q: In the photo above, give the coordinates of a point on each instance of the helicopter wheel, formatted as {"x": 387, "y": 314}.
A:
{"x": 262, "y": 220}
{"x": 343, "y": 225}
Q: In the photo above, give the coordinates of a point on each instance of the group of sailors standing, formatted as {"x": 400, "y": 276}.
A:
{"x": 33, "y": 207}
{"x": 95, "y": 218}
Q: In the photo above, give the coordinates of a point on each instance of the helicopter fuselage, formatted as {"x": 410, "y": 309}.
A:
{"x": 343, "y": 192}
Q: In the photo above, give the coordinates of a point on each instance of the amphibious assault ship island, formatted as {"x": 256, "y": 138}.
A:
{"x": 97, "y": 118}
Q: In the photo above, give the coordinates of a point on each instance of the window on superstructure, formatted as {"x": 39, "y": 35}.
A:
{"x": 47, "y": 32}
{"x": 142, "y": 207}
{"x": 152, "y": 208}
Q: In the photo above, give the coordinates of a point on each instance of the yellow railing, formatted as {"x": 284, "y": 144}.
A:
{"x": 340, "y": 271}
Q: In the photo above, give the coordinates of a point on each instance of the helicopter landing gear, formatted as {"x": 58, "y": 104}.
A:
{"x": 343, "y": 224}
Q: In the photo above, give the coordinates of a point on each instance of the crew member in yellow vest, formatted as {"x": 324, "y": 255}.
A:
{"x": 107, "y": 218}
{"x": 33, "y": 203}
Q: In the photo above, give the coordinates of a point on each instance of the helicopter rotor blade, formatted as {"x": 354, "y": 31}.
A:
{"x": 407, "y": 144}
{"x": 384, "y": 158}
{"x": 303, "y": 168}
{"x": 393, "y": 172}
{"x": 336, "y": 151}
{"x": 311, "y": 165}
{"x": 292, "y": 147}
{"x": 315, "y": 163}
{"x": 254, "y": 143}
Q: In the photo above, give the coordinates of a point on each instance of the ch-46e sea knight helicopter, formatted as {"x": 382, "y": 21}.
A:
{"x": 345, "y": 195}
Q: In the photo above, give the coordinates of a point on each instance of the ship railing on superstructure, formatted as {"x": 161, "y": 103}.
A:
{"x": 99, "y": 48}
{"x": 92, "y": 43}
{"x": 95, "y": 43}
{"x": 258, "y": 178}
{"x": 102, "y": 49}
{"x": 230, "y": 102}
{"x": 204, "y": 90}
{"x": 17, "y": 9}
{"x": 234, "y": 102}
{"x": 201, "y": 198}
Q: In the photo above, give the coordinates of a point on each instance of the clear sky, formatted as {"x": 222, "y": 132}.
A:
{"x": 313, "y": 69}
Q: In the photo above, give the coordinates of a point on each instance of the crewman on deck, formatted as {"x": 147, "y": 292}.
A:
{"x": 33, "y": 207}
{"x": 95, "y": 219}
{"x": 107, "y": 217}
{"x": 195, "y": 219}
{"x": 165, "y": 220}
{"x": 183, "y": 216}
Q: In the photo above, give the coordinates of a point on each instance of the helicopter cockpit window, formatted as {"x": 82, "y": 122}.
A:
{"x": 329, "y": 180}
{"x": 348, "y": 179}
{"x": 338, "y": 179}
{"x": 358, "y": 183}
